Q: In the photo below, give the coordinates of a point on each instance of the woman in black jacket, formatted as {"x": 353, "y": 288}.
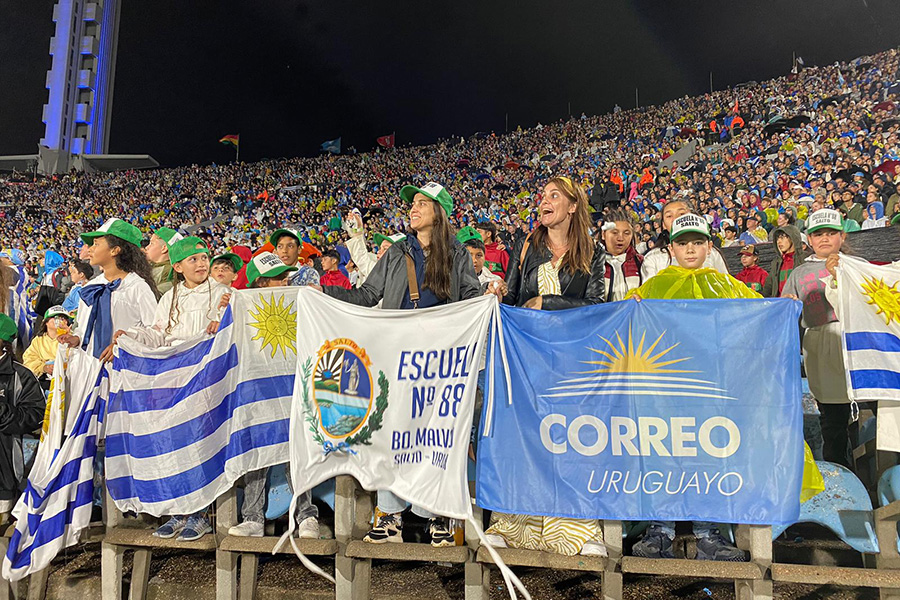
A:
{"x": 558, "y": 265}
{"x": 21, "y": 411}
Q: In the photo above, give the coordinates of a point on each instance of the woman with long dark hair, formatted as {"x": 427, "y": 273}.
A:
{"x": 122, "y": 296}
{"x": 443, "y": 274}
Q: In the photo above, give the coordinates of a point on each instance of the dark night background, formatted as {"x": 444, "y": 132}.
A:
{"x": 288, "y": 74}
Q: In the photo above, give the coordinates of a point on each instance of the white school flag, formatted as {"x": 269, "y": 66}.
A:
{"x": 387, "y": 396}
{"x": 870, "y": 322}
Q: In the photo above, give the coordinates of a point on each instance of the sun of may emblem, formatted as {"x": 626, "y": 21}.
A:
{"x": 275, "y": 324}
{"x": 885, "y": 298}
{"x": 339, "y": 396}
{"x": 628, "y": 359}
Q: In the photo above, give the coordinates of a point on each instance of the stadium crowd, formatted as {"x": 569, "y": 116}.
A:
{"x": 587, "y": 210}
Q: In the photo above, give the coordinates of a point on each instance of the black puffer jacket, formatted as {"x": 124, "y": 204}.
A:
{"x": 21, "y": 411}
{"x": 580, "y": 289}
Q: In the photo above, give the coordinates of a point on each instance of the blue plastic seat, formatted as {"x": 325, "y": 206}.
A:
{"x": 889, "y": 491}
{"x": 844, "y": 508}
{"x": 279, "y": 497}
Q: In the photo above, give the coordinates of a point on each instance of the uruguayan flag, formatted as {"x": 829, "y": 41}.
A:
{"x": 23, "y": 313}
{"x": 185, "y": 422}
{"x": 870, "y": 318}
{"x": 56, "y": 505}
{"x": 869, "y": 310}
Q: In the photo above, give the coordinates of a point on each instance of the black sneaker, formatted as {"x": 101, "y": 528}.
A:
{"x": 441, "y": 536}
{"x": 654, "y": 544}
{"x": 389, "y": 529}
{"x": 716, "y": 547}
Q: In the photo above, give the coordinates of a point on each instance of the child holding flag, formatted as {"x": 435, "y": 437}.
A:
{"x": 267, "y": 270}
{"x": 192, "y": 306}
{"x": 122, "y": 296}
{"x": 823, "y": 357}
{"x": 691, "y": 245}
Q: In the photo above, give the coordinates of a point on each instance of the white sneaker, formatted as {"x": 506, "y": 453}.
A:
{"x": 593, "y": 548}
{"x": 308, "y": 529}
{"x": 247, "y": 529}
{"x": 497, "y": 541}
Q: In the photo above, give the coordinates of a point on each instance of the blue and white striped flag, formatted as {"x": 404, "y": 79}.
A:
{"x": 185, "y": 422}
{"x": 56, "y": 505}
{"x": 24, "y": 315}
{"x": 869, "y": 309}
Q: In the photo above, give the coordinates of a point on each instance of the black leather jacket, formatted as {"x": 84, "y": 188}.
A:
{"x": 21, "y": 411}
{"x": 580, "y": 289}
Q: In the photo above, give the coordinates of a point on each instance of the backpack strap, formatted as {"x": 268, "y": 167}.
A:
{"x": 411, "y": 279}
{"x": 525, "y": 249}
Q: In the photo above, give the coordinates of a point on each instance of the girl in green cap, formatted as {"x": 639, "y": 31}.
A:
{"x": 192, "y": 306}
{"x": 122, "y": 296}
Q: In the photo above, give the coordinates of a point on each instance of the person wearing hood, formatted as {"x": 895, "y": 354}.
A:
{"x": 49, "y": 293}
{"x": 157, "y": 252}
{"x": 874, "y": 216}
{"x": 788, "y": 254}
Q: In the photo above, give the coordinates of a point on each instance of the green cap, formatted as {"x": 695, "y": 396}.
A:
{"x": 282, "y": 232}
{"x": 432, "y": 190}
{"x": 169, "y": 236}
{"x": 393, "y": 239}
{"x": 57, "y": 311}
{"x": 895, "y": 219}
{"x": 236, "y": 261}
{"x": 468, "y": 233}
{"x": 689, "y": 223}
{"x": 824, "y": 218}
{"x": 186, "y": 247}
{"x": 8, "y": 329}
{"x": 266, "y": 264}
{"x": 118, "y": 228}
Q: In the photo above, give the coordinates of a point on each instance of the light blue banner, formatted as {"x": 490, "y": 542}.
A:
{"x": 660, "y": 409}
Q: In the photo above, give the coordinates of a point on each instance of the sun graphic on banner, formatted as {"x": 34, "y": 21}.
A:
{"x": 276, "y": 325}
{"x": 622, "y": 358}
{"x": 885, "y": 298}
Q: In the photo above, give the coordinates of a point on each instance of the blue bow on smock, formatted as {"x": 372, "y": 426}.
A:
{"x": 98, "y": 296}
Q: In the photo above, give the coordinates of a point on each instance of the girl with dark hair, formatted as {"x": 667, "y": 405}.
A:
{"x": 41, "y": 353}
{"x": 123, "y": 296}
{"x": 443, "y": 272}
{"x": 623, "y": 263}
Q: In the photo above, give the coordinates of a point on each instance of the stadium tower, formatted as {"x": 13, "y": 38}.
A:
{"x": 78, "y": 111}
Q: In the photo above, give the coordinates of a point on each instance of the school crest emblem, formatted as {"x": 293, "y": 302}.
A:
{"x": 339, "y": 396}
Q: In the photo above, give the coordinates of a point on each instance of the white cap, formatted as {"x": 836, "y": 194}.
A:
{"x": 825, "y": 218}
{"x": 689, "y": 223}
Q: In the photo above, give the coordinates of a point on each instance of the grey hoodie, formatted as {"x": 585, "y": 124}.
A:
{"x": 770, "y": 289}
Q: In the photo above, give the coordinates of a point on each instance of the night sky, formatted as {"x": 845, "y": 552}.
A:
{"x": 288, "y": 74}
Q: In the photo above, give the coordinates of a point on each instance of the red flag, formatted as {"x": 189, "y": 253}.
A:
{"x": 264, "y": 196}
{"x": 734, "y": 108}
{"x": 386, "y": 141}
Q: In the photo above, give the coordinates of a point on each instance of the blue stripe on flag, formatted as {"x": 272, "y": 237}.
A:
{"x": 50, "y": 529}
{"x": 874, "y": 379}
{"x": 135, "y": 401}
{"x": 67, "y": 475}
{"x": 190, "y": 432}
{"x": 156, "y": 366}
{"x": 872, "y": 340}
{"x": 198, "y": 477}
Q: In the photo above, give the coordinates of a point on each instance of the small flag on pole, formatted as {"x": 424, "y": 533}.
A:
{"x": 333, "y": 146}
{"x": 386, "y": 141}
{"x": 231, "y": 140}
